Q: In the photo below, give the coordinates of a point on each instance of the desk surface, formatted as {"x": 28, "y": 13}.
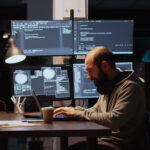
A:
{"x": 57, "y": 128}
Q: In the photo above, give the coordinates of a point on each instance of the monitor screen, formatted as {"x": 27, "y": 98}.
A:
{"x": 43, "y": 38}
{"x": 125, "y": 65}
{"x": 117, "y": 35}
{"x": 84, "y": 87}
{"x": 49, "y": 82}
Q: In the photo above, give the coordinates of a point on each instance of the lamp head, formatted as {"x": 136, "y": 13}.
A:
{"x": 14, "y": 54}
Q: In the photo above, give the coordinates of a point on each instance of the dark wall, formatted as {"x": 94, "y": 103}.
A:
{"x": 5, "y": 88}
{"x": 7, "y": 13}
{"x": 141, "y": 38}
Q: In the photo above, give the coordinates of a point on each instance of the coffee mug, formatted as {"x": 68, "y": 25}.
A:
{"x": 47, "y": 114}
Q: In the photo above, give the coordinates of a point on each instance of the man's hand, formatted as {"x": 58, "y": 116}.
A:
{"x": 68, "y": 111}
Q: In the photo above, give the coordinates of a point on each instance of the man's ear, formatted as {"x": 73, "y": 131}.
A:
{"x": 105, "y": 66}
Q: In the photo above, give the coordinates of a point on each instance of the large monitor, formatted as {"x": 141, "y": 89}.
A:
{"x": 48, "y": 82}
{"x": 43, "y": 38}
{"x": 125, "y": 65}
{"x": 114, "y": 34}
{"x": 84, "y": 87}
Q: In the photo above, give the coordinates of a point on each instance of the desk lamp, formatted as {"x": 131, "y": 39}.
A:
{"x": 13, "y": 54}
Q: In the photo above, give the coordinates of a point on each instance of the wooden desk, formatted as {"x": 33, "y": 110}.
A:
{"x": 61, "y": 129}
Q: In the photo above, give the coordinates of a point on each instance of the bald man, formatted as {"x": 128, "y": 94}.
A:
{"x": 121, "y": 105}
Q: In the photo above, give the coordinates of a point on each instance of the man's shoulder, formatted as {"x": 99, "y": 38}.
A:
{"x": 130, "y": 78}
{"x": 129, "y": 85}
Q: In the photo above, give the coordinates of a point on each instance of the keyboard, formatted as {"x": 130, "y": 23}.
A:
{"x": 65, "y": 118}
{"x": 56, "y": 118}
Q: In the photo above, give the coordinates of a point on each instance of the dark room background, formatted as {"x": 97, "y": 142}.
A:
{"x": 138, "y": 10}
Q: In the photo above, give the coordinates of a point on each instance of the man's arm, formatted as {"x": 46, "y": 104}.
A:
{"x": 71, "y": 111}
{"x": 129, "y": 99}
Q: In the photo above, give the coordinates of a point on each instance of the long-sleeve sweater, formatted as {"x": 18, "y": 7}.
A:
{"x": 123, "y": 110}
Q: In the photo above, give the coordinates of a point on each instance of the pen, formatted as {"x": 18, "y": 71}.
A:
{"x": 24, "y": 120}
{"x": 32, "y": 121}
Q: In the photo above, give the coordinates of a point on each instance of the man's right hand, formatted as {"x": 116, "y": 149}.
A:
{"x": 68, "y": 111}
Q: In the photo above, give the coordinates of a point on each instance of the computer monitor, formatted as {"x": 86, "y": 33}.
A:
{"x": 125, "y": 65}
{"x": 114, "y": 34}
{"x": 84, "y": 87}
{"x": 48, "y": 82}
{"x": 43, "y": 38}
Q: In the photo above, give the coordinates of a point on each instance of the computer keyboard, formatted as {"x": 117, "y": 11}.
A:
{"x": 65, "y": 118}
{"x": 56, "y": 118}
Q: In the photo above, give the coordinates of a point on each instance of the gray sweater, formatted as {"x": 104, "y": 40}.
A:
{"x": 123, "y": 110}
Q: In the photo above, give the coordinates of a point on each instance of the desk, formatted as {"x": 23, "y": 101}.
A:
{"x": 61, "y": 129}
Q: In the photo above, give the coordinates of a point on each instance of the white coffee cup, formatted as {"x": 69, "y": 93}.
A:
{"x": 47, "y": 114}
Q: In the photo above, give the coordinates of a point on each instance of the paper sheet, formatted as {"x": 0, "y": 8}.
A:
{"x": 17, "y": 124}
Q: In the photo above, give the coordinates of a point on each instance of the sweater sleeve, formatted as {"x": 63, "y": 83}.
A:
{"x": 82, "y": 109}
{"x": 129, "y": 97}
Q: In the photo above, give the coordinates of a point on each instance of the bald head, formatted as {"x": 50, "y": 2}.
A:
{"x": 97, "y": 54}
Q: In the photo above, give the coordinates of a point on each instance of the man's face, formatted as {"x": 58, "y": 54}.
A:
{"x": 94, "y": 73}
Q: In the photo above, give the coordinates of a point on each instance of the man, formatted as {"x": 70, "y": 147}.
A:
{"x": 121, "y": 105}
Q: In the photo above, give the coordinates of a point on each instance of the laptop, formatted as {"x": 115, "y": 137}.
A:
{"x": 34, "y": 114}
{"x": 39, "y": 114}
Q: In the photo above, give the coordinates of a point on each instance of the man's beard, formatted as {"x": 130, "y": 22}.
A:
{"x": 103, "y": 84}
{"x": 100, "y": 81}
